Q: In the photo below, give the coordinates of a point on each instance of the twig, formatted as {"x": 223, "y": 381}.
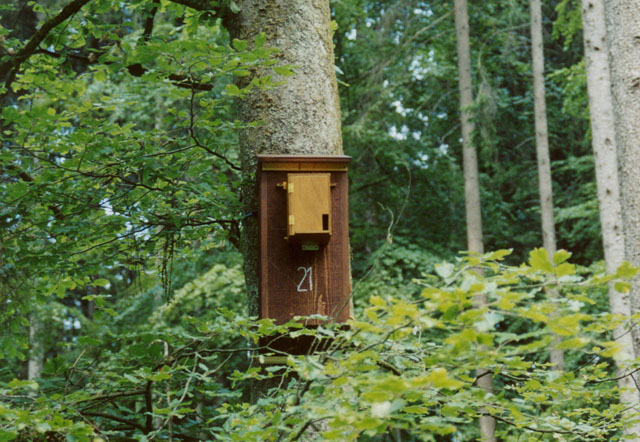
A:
{"x": 537, "y": 430}
{"x": 114, "y": 418}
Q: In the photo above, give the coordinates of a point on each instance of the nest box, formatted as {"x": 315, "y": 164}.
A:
{"x": 304, "y": 264}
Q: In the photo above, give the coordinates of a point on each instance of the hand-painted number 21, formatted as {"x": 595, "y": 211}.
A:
{"x": 306, "y": 276}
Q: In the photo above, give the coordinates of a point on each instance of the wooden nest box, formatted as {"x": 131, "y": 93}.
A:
{"x": 304, "y": 266}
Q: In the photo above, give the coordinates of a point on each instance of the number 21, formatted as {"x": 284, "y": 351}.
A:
{"x": 308, "y": 276}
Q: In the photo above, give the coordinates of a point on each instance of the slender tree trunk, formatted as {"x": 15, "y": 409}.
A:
{"x": 470, "y": 158}
{"x": 35, "y": 362}
{"x": 471, "y": 183}
{"x": 604, "y": 149}
{"x": 542, "y": 153}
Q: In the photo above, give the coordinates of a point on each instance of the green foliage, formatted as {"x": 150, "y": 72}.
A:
{"x": 399, "y": 89}
{"x": 117, "y": 152}
{"x": 568, "y": 22}
{"x": 119, "y": 184}
{"x": 406, "y": 365}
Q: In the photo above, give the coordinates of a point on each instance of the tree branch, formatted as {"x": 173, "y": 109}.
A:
{"x": 148, "y": 426}
{"x": 109, "y": 398}
{"x": 122, "y": 420}
{"x": 148, "y": 24}
{"x": 526, "y": 427}
{"x": 12, "y": 65}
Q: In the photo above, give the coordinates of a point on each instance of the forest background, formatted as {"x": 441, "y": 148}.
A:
{"x": 122, "y": 292}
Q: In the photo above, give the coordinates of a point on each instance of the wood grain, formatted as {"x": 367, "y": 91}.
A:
{"x": 287, "y": 287}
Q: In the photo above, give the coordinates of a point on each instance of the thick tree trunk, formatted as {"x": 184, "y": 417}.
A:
{"x": 542, "y": 152}
{"x": 623, "y": 31}
{"x": 300, "y": 117}
{"x": 471, "y": 182}
{"x": 604, "y": 149}
{"x": 623, "y": 43}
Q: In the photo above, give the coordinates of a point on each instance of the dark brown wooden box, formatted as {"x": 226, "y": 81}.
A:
{"x": 293, "y": 281}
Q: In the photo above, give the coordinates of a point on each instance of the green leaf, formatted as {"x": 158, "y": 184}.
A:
{"x": 19, "y": 384}
{"x": 239, "y": 45}
{"x": 101, "y": 282}
{"x": 565, "y": 269}
{"x": 100, "y": 76}
{"x": 539, "y": 260}
{"x": 567, "y": 325}
{"x": 111, "y": 311}
{"x": 416, "y": 409}
{"x": 573, "y": 343}
{"x": 260, "y": 40}
{"x": 7, "y": 435}
{"x": 626, "y": 270}
{"x": 285, "y": 71}
{"x": 444, "y": 270}
{"x": 89, "y": 341}
{"x": 160, "y": 376}
{"x": 613, "y": 349}
{"x": 448, "y": 411}
{"x": 232, "y": 90}
{"x": 622, "y": 286}
{"x": 561, "y": 256}
{"x": 234, "y": 7}
{"x": 439, "y": 378}
{"x": 498, "y": 255}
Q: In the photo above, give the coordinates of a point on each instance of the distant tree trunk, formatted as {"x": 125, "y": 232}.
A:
{"x": 623, "y": 41}
{"x": 35, "y": 362}
{"x": 300, "y": 117}
{"x": 471, "y": 182}
{"x": 470, "y": 158}
{"x": 604, "y": 149}
{"x": 542, "y": 152}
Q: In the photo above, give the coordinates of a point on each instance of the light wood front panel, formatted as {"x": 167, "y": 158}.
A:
{"x": 309, "y": 203}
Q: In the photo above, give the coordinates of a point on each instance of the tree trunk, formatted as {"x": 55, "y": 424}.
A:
{"x": 470, "y": 158}
{"x": 623, "y": 42}
{"x": 604, "y": 149}
{"x": 542, "y": 153}
{"x": 35, "y": 362}
{"x": 471, "y": 183}
{"x": 302, "y": 116}
{"x": 623, "y": 31}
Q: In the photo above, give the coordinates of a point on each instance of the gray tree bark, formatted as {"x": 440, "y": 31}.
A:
{"x": 623, "y": 31}
{"x": 616, "y": 134}
{"x": 604, "y": 149}
{"x": 300, "y": 117}
{"x": 470, "y": 158}
{"x": 35, "y": 362}
{"x": 542, "y": 152}
{"x": 471, "y": 183}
